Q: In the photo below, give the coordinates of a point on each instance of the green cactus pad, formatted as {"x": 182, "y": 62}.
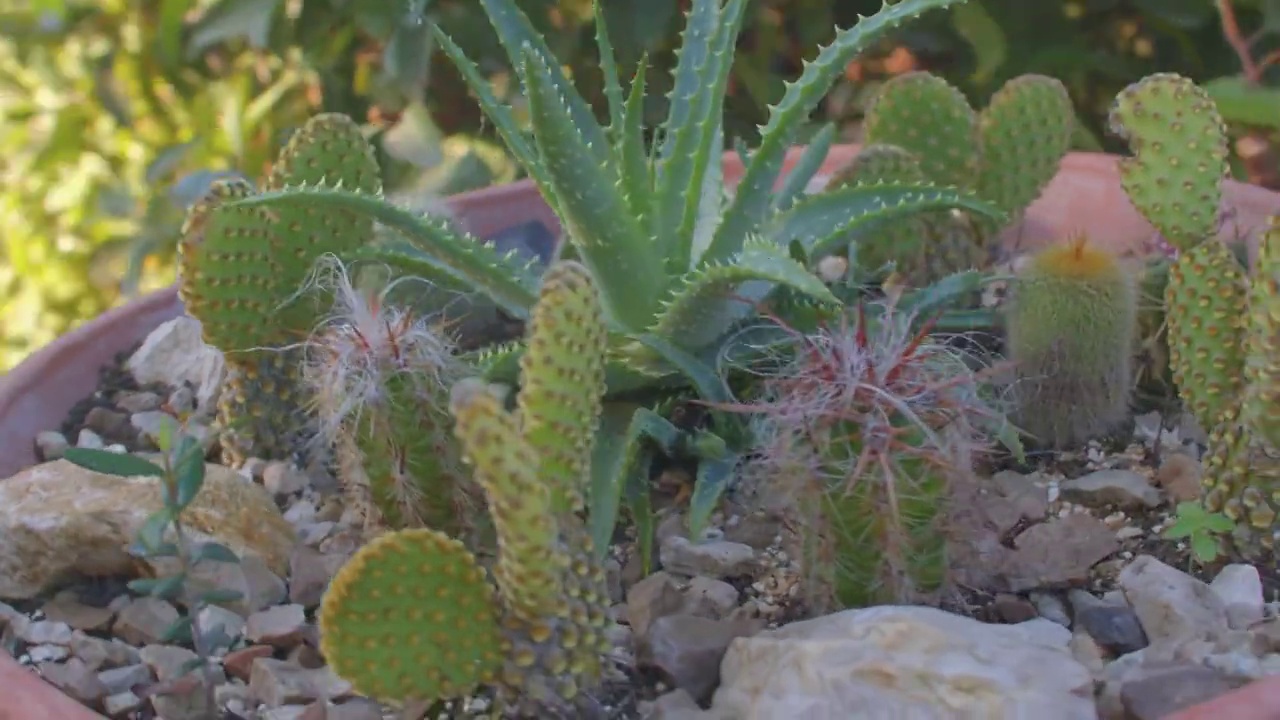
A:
{"x": 563, "y": 382}
{"x": 1072, "y": 314}
{"x": 411, "y": 616}
{"x": 1262, "y": 360}
{"x": 1206, "y": 301}
{"x": 1025, "y": 131}
{"x": 924, "y": 115}
{"x": 532, "y": 557}
{"x": 1242, "y": 481}
{"x": 1180, "y": 151}
{"x": 227, "y": 280}
{"x": 328, "y": 150}
{"x": 900, "y": 242}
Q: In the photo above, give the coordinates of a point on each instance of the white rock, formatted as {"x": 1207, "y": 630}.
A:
{"x": 903, "y": 662}
{"x": 1240, "y": 588}
{"x": 173, "y": 354}
{"x": 1173, "y": 607}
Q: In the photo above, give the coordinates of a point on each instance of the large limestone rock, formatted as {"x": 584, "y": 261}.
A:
{"x": 903, "y": 662}
{"x": 58, "y": 518}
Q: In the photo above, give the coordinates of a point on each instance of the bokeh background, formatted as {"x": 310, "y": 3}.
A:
{"x": 116, "y": 114}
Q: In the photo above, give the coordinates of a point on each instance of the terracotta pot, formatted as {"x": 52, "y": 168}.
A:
{"x": 38, "y": 393}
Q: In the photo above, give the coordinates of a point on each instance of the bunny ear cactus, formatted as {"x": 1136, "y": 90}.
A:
{"x": 241, "y": 272}
{"x": 1220, "y": 314}
{"x": 1004, "y": 155}
{"x": 536, "y": 634}
{"x": 677, "y": 265}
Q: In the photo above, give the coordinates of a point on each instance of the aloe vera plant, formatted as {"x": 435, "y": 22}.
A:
{"x": 678, "y": 262}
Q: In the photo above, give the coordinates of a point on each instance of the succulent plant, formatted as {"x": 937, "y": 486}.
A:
{"x": 1006, "y": 155}
{"x": 1072, "y": 314}
{"x": 242, "y": 270}
{"x": 678, "y": 265}
{"x": 531, "y": 625}
{"x": 1219, "y": 312}
{"x": 863, "y": 432}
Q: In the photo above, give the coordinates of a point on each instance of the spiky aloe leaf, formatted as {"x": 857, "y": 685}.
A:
{"x": 609, "y": 68}
{"x": 693, "y": 125}
{"x": 711, "y": 299}
{"x": 805, "y": 169}
{"x": 438, "y": 248}
{"x": 500, "y": 115}
{"x": 528, "y": 568}
{"x": 624, "y": 449}
{"x": 519, "y": 37}
{"x": 820, "y": 221}
{"x": 562, "y": 382}
{"x": 633, "y": 161}
{"x": 751, "y": 204}
{"x": 608, "y": 237}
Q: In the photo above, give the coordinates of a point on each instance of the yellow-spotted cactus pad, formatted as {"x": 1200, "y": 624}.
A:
{"x": 563, "y": 382}
{"x": 1025, "y": 130}
{"x": 1262, "y": 362}
{"x": 924, "y": 115}
{"x": 1179, "y": 145}
{"x": 260, "y": 410}
{"x": 412, "y": 616}
{"x": 531, "y": 558}
{"x": 554, "y": 660}
{"x": 1242, "y": 481}
{"x": 1206, "y": 303}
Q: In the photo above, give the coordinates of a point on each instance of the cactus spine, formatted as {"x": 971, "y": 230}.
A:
{"x": 540, "y": 636}
{"x": 1072, "y": 315}
{"x": 241, "y": 271}
{"x": 1221, "y": 331}
{"x": 1005, "y": 154}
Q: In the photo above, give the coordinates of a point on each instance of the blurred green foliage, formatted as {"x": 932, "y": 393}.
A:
{"x": 115, "y": 114}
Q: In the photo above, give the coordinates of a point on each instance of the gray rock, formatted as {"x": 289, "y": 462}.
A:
{"x": 282, "y": 626}
{"x": 1240, "y": 588}
{"x": 1174, "y": 607}
{"x": 309, "y": 574}
{"x": 1123, "y": 489}
{"x": 75, "y": 679}
{"x": 124, "y": 679}
{"x": 651, "y": 598}
{"x": 687, "y": 650}
{"x": 1160, "y": 692}
{"x": 717, "y": 559}
{"x": 144, "y": 620}
{"x": 121, "y": 705}
{"x": 51, "y": 444}
{"x": 275, "y": 683}
{"x": 98, "y": 653}
{"x": 282, "y": 479}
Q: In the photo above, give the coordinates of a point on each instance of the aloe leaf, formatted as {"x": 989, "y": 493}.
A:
{"x": 609, "y": 68}
{"x": 436, "y": 248}
{"x": 622, "y": 456}
{"x": 805, "y": 169}
{"x": 751, "y": 204}
{"x": 820, "y": 222}
{"x": 518, "y": 36}
{"x": 693, "y": 124}
{"x": 608, "y": 237}
{"x": 713, "y": 299}
{"x": 713, "y": 476}
{"x": 637, "y": 183}
{"x": 498, "y": 113}
{"x": 710, "y": 206}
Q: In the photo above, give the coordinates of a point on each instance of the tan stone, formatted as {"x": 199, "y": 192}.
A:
{"x": 57, "y": 518}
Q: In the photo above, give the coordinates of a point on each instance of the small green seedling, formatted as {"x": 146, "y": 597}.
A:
{"x": 182, "y": 472}
{"x": 1201, "y": 529}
